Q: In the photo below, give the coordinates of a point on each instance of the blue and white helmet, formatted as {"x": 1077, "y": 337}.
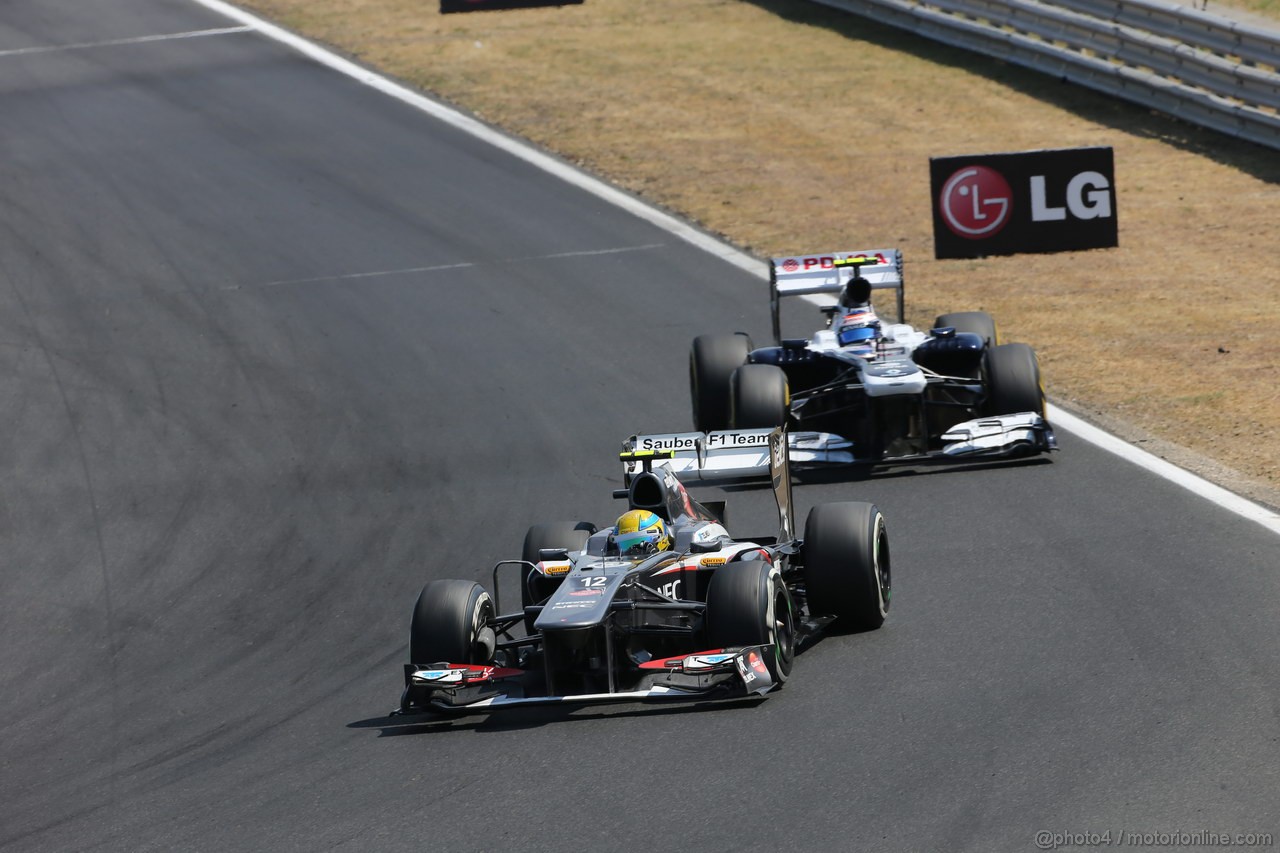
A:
{"x": 857, "y": 328}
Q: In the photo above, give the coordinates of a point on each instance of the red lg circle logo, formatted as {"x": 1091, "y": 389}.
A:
{"x": 791, "y": 265}
{"x": 976, "y": 202}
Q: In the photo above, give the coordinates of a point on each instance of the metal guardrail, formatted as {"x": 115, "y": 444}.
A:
{"x": 1211, "y": 32}
{"x": 1201, "y": 68}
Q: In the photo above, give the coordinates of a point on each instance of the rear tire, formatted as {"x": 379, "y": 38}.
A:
{"x": 760, "y": 397}
{"x": 570, "y": 535}
{"x": 712, "y": 361}
{"x": 451, "y": 624}
{"x": 749, "y": 605}
{"x": 1013, "y": 381}
{"x": 846, "y": 564}
{"x": 979, "y": 323}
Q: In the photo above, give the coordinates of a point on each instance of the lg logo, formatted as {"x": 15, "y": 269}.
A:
{"x": 1088, "y": 197}
{"x": 976, "y": 202}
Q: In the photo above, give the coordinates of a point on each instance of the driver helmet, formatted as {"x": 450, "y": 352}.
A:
{"x": 858, "y": 329}
{"x": 641, "y": 532}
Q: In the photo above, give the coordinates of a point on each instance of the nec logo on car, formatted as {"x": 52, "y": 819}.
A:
{"x": 1036, "y": 201}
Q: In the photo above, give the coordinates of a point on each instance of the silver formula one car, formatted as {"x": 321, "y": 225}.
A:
{"x": 663, "y": 606}
{"x": 861, "y": 390}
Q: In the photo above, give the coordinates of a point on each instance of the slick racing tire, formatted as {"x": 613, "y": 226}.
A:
{"x": 759, "y": 397}
{"x": 979, "y": 323}
{"x": 846, "y": 564}
{"x": 712, "y": 361}
{"x": 1013, "y": 381}
{"x": 451, "y": 624}
{"x": 570, "y": 535}
{"x": 749, "y": 605}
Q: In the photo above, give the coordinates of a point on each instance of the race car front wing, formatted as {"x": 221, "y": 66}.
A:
{"x": 732, "y": 454}
{"x": 1001, "y": 435}
{"x": 699, "y": 676}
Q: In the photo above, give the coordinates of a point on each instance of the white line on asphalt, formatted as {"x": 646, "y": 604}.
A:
{"x": 1156, "y": 465}
{"x": 408, "y": 270}
{"x": 684, "y": 231}
{"x": 192, "y": 34}
{"x": 353, "y": 275}
{"x": 586, "y": 253}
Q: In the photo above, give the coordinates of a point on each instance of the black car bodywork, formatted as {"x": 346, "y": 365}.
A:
{"x": 713, "y": 617}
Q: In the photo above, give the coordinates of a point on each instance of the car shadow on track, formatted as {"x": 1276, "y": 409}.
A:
{"x": 531, "y": 718}
{"x": 865, "y": 473}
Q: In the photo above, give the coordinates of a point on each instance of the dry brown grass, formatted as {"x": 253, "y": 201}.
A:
{"x": 1263, "y": 12}
{"x": 789, "y": 127}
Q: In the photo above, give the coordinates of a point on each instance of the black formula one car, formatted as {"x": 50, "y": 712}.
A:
{"x": 864, "y": 391}
{"x": 705, "y": 616}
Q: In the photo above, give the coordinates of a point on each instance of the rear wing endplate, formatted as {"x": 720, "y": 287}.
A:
{"x": 709, "y": 457}
{"x": 828, "y": 272}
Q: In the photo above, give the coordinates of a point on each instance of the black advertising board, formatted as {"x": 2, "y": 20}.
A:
{"x": 447, "y": 6}
{"x": 1033, "y": 201}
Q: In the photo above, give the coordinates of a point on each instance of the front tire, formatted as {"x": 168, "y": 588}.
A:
{"x": 749, "y": 605}
{"x": 451, "y": 624}
{"x": 712, "y": 361}
{"x": 846, "y": 564}
{"x": 1013, "y": 381}
{"x": 760, "y": 397}
{"x": 979, "y": 323}
{"x": 570, "y": 535}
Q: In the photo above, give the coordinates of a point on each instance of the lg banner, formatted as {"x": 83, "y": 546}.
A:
{"x": 1034, "y": 201}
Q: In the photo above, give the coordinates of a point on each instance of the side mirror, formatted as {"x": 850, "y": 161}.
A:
{"x": 545, "y": 554}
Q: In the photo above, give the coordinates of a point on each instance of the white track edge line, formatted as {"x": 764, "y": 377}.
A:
{"x": 189, "y": 34}
{"x": 730, "y": 254}
{"x": 1144, "y": 459}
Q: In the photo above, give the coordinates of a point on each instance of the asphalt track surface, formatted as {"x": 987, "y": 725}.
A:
{"x": 278, "y": 349}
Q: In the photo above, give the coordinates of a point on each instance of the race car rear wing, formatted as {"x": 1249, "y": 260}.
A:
{"x": 829, "y": 272}
{"x": 741, "y": 454}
